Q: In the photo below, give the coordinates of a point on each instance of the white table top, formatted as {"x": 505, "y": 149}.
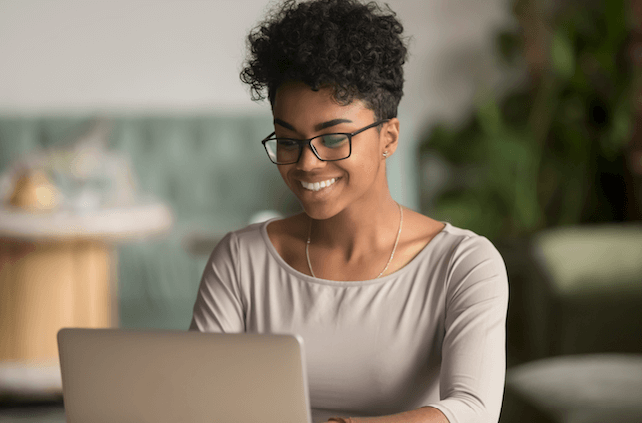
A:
{"x": 114, "y": 223}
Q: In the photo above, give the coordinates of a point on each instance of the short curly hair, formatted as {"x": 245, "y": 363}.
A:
{"x": 354, "y": 48}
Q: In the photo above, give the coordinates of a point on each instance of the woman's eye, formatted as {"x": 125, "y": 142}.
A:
{"x": 287, "y": 144}
{"x": 334, "y": 140}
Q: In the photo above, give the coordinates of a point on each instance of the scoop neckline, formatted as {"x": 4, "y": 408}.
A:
{"x": 394, "y": 275}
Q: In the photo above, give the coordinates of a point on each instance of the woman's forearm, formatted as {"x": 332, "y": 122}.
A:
{"x": 420, "y": 415}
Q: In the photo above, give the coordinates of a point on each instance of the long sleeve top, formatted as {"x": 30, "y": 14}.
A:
{"x": 429, "y": 334}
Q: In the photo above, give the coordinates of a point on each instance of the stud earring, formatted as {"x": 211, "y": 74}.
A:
{"x": 385, "y": 154}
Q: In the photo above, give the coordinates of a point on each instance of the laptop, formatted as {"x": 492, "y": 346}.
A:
{"x": 112, "y": 375}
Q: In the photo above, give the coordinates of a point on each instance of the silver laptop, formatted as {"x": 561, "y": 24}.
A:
{"x": 111, "y": 375}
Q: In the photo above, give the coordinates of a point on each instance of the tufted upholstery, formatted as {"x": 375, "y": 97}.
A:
{"x": 589, "y": 289}
{"x": 211, "y": 170}
{"x": 591, "y": 388}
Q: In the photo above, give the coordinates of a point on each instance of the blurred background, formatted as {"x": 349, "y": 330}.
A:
{"x": 129, "y": 147}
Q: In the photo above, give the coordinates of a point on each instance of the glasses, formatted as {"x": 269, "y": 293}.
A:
{"x": 327, "y": 147}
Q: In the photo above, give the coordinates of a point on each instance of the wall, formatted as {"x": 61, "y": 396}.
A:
{"x": 93, "y": 56}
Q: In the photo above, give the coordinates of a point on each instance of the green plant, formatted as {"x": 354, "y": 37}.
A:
{"x": 529, "y": 160}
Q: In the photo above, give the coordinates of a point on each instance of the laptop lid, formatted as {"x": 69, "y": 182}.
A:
{"x": 111, "y": 375}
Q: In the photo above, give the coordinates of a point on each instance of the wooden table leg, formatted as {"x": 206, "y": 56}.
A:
{"x": 45, "y": 286}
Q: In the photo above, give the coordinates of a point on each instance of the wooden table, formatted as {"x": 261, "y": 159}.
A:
{"x": 59, "y": 270}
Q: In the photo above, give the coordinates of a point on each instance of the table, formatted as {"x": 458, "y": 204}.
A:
{"x": 57, "y": 270}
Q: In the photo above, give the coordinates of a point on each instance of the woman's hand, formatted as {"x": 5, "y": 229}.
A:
{"x": 420, "y": 415}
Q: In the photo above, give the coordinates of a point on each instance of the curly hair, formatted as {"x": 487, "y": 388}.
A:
{"x": 355, "y": 49}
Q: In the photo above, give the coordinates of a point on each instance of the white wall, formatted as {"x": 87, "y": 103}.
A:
{"x": 123, "y": 54}
{"x": 92, "y": 56}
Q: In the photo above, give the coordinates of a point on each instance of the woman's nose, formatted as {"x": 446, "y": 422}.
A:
{"x": 308, "y": 159}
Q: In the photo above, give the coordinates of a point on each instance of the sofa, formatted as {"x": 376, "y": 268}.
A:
{"x": 210, "y": 169}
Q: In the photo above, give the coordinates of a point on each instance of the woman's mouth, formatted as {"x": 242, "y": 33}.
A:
{"x": 316, "y": 186}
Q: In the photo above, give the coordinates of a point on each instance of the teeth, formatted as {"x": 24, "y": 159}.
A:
{"x": 316, "y": 186}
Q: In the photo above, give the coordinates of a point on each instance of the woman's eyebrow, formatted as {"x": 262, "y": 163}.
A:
{"x": 286, "y": 125}
{"x": 319, "y": 127}
{"x": 331, "y": 123}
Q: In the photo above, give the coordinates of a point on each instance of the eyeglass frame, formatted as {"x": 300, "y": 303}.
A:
{"x": 301, "y": 143}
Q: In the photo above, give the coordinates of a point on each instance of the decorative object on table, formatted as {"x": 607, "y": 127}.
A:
{"x": 81, "y": 175}
{"x": 33, "y": 192}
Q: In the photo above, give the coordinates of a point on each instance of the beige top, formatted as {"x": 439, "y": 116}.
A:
{"x": 430, "y": 334}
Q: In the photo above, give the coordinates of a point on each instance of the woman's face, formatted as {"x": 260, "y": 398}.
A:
{"x": 301, "y": 113}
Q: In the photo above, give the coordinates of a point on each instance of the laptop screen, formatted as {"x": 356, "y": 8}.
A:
{"x": 113, "y": 375}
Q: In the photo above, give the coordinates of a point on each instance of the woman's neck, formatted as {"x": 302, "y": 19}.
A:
{"x": 358, "y": 229}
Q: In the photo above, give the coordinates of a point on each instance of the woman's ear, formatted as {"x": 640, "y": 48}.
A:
{"x": 389, "y": 137}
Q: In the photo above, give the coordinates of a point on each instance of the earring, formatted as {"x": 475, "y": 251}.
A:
{"x": 385, "y": 154}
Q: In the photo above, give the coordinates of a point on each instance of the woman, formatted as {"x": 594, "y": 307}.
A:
{"x": 402, "y": 316}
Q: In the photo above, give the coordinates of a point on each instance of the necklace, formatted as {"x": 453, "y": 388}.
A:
{"x": 394, "y": 248}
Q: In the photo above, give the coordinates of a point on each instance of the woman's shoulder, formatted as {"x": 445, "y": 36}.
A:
{"x": 288, "y": 235}
{"x": 292, "y": 226}
{"x": 250, "y": 236}
{"x": 424, "y": 231}
{"x": 421, "y": 228}
{"x": 464, "y": 240}
{"x": 468, "y": 252}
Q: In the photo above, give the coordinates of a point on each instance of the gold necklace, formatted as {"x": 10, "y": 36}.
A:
{"x": 394, "y": 248}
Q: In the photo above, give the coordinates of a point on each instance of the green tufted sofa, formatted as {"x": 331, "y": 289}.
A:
{"x": 210, "y": 169}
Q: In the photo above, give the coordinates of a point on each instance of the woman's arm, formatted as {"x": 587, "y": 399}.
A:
{"x": 473, "y": 364}
{"x": 420, "y": 415}
{"x": 218, "y": 306}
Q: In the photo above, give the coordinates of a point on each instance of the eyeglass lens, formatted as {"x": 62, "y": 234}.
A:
{"x": 327, "y": 147}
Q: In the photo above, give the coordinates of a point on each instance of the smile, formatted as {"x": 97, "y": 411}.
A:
{"x": 316, "y": 186}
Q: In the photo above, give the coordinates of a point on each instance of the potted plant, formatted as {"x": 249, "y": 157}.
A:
{"x": 550, "y": 152}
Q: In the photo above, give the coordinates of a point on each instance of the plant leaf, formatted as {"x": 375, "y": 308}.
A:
{"x": 562, "y": 55}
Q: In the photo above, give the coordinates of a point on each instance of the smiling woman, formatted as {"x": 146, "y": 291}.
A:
{"x": 402, "y": 316}
{"x": 358, "y": 167}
